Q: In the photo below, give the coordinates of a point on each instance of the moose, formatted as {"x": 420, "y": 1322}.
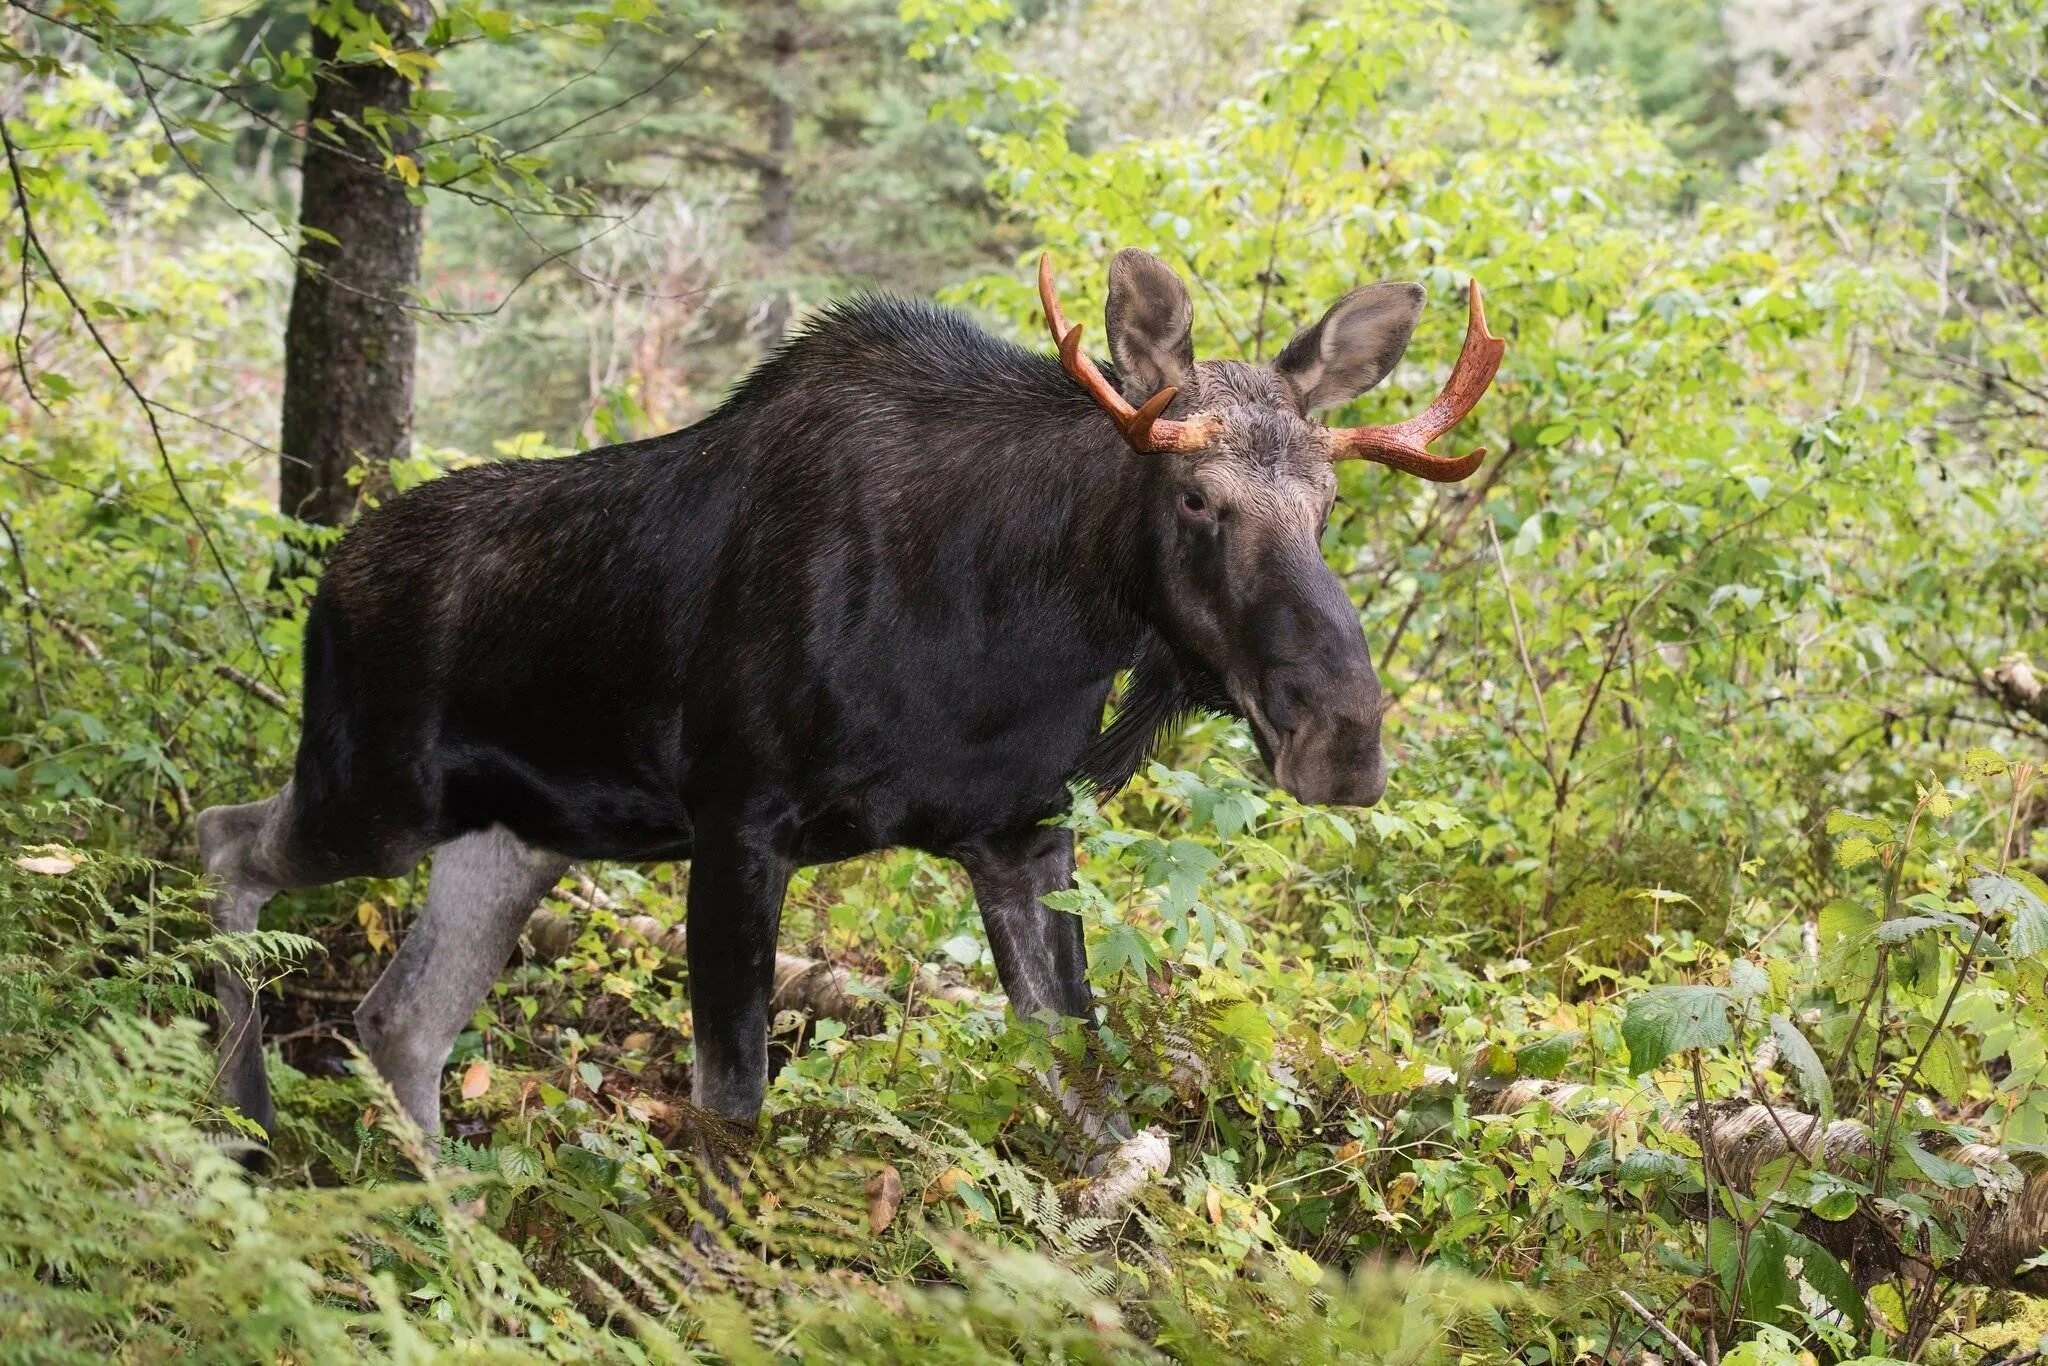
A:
{"x": 879, "y": 597}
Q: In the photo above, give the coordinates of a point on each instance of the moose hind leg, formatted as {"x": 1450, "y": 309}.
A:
{"x": 242, "y": 849}
{"x": 482, "y": 889}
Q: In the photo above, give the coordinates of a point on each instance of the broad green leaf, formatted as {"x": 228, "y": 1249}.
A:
{"x": 1938, "y": 1169}
{"x": 1904, "y": 927}
{"x": 1822, "y": 1270}
{"x": 2016, "y": 893}
{"x": 1667, "y": 1020}
{"x": 1747, "y": 981}
{"x": 1805, "y": 1064}
{"x": 1943, "y": 1067}
{"x": 1545, "y": 1059}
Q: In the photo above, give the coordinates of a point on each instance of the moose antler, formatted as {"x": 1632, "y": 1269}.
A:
{"x": 1142, "y": 426}
{"x": 1405, "y": 445}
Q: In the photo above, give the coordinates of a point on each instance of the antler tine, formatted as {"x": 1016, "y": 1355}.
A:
{"x": 1405, "y": 445}
{"x": 1142, "y": 426}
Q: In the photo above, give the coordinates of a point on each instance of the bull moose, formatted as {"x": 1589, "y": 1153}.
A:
{"x": 878, "y": 598}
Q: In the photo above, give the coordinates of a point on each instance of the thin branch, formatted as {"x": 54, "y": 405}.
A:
{"x": 1522, "y": 645}
{"x": 28, "y": 617}
{"x": 32, "y": 239}
{"x": 255, "y": 687}
{"x": 1641, "y": 1311}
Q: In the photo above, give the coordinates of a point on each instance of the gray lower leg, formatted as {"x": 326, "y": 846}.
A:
{"x": 483, "y": 888}
{"x": 1038, "y": 950}
{"x": 1040, "y": 954}
{"x": 239, "y": 849}
{"x": 735, "y": 908}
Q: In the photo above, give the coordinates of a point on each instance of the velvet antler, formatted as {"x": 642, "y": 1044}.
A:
{"x": 1142, "y": 426}
{"x": 1405, "y": 445}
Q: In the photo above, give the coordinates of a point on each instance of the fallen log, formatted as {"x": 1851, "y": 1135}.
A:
{"x": 2005, "y": 1215}
{"x": 820, "y": 989}
{"x": 2015, "y": 684}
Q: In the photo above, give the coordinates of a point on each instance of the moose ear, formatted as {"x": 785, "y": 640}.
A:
{"x": 1151, "y": 325}
{"x": 1354, "y": 347}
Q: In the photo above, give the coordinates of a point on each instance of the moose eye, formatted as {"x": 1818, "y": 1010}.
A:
{"x": 1193, "y": 501}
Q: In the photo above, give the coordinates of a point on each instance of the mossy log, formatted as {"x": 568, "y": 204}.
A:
{"x": 2005, "y": 1215}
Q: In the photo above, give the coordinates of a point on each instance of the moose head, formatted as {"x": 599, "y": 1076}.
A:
{"x": 1240, "y": 487}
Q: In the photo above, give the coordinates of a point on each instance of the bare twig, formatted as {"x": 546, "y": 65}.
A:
{"x": 1641, "y": 1311}
{"x": 1522, "y": 645}
{"x": 28, "y": 614}
{"x": 84, "y": 316}
{"x": 255, "y": 687}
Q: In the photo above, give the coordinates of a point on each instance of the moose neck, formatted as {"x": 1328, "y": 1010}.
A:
{"x": 1098, "y": 492}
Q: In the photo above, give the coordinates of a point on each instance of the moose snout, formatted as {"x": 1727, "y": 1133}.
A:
{"x": 1324, "y": 741}
{"x": 1334, "y": 762}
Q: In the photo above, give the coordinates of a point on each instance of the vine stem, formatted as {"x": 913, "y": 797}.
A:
{"x": 2022, "y": 779}
{"x": 1699, "y": 1091}
{"x": 32, "y": 238}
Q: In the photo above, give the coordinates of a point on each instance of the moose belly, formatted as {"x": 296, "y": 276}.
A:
{"x": 941, "y": 787}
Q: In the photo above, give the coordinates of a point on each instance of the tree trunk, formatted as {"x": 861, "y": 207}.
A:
{"x": 351, "y": 336}
{"x": 777, "y": 228}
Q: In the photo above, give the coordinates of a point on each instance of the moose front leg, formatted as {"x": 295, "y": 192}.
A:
{"x": 735, "y": 908}
{"x": 1038, "y": 950}
{"x": 1040, "y": 954}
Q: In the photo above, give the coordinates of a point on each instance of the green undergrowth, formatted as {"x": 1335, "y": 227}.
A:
{"x": 914, "y": 1187}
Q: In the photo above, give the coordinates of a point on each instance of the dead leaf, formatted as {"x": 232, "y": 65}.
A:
{"x": 1215, "y": 1203}
{"x": 49, "y": 865}
{"x": 476, "y": 1079}
{"x": 948, "y": 1181}
{"x": 372, "y": 921}
{"x": 648, "y": 1109}
{"x": 370, "y": 1113}
{"x": 885, "y": 1193}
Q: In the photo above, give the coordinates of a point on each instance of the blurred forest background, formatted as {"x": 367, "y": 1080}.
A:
{"x": 1685, "y": 999}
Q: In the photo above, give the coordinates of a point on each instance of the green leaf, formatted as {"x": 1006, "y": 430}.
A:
{"x": 1835, "y": 1205}
{"x": 2022, "y": 896}
{"x": 1123, "y": 949}
{"x": 1651, "y": 1164}
{"x": 1667, "y": 1020}
{"x": 1940, "y": 1170}
{"x": 1904, "y": 927}
{"x": 1747, "y": 981}
{"x": 1982, "y": 764}
{"x": 1767, "y": 1284}
{"x": 1799, "y": 1055}
{"x": 1545, "y": 1059}
{"x": 1822, "y": 1270}
{"x": 1842, "y": 822}
{"x": 1247, "y": 1023}
{"x": 1944, "y": 1068}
